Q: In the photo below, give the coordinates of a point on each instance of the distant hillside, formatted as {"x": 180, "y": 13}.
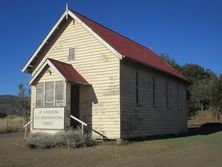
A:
{"x": 9, "y": 105}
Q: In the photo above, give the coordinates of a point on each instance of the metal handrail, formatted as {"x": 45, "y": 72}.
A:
{"x": 27, "y": 123}
{"x": 78, "y": 120}
{"x": 25, "y": 126}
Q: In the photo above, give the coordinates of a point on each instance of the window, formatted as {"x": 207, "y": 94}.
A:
{"x": 167, "y": 94}
{"x": 50, "y": 94}
{"x": 71, "y": 54}
{"x": 178, "y": 96}
{"x": 59, "y": 89}
{"x": 138, "y": 89}
{"x": 154, "y": 91}
{"x": 40, "y": 94}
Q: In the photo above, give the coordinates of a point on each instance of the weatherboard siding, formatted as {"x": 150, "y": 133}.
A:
{"x": 146, "y": 119}
{"x": 48, "y": 75}
{"x": 99, "y": 103}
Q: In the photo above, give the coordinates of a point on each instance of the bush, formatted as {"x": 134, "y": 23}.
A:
{"x": 71, "y": 139}
{"x": 3, "y": 114}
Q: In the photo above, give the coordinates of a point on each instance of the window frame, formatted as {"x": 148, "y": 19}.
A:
{"x": 178, "y": 97}
{"x": 56, "y": 91}
{"x": 43, "y": 96}
{"x": 167, "y": 93}
{"x": 154, "y": 91}
{"x": 54, "y": 95}
{"x": 138, "y": 89}
{"x": 71, "y": 57}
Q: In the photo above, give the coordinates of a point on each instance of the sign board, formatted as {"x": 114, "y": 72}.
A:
{"x": 48, "y": 118}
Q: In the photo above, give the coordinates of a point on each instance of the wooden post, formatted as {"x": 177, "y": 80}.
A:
{"x": 6, "y": 124}
{"x": 25, "y": 135}
{"x": 82, "y": 129}
{"x": 26, "y": 130}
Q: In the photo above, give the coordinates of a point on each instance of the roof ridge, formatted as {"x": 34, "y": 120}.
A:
{"x": 113, "y": 31}
{"x": 145, "y": 52}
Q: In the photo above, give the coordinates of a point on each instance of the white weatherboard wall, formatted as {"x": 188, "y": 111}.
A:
{"x": 145, "y": 119}
{"x": 48, "y": 75}
{"x": 99, "y": 103}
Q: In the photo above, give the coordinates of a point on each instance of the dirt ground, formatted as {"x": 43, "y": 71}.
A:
{"x": 203, "y": 150}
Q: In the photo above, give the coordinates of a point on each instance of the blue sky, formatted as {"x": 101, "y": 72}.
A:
{"x": 190, "y": 31}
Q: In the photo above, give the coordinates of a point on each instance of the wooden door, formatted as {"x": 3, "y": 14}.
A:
{"x": 74, "y": 104}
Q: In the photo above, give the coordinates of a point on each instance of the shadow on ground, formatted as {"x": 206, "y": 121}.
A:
{"x": 205, "y": 129}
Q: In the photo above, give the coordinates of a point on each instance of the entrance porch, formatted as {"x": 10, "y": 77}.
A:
{"x": 57, "y": 86}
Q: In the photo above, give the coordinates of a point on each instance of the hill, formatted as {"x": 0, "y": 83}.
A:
{"x": 9, "y": 105}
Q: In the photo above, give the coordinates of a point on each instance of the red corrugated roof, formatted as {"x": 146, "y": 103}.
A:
{"x": 130, "y": 49}
{"x": 69, "y": 72}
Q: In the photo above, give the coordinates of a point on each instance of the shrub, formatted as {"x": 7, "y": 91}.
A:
{"x": 3, "y": 114}
{"x": 72, "y": 138}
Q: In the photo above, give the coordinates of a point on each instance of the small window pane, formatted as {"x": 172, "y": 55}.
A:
{"x": 167, "y": 94}
{"x": 178, "y": 96}
{"x": 49, "y": 94}
{"x": 40, "y": 95}
{"x": 59, "y": 89}
{"x": 138, "y": 89}
{"x": 71, "y": 54}
{"x": 154, "y": 91}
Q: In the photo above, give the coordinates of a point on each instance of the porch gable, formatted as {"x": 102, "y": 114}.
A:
{"x": 66, "y": 72}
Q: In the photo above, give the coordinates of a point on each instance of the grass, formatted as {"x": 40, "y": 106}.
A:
{"x": 202, "y": 117}
{"x": 11, "y": 124}
{"x": 192, "y": 151}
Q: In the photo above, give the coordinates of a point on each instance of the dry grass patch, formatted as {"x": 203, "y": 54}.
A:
{"x": 11, "y": 124}
{"x": 203, "y": 117}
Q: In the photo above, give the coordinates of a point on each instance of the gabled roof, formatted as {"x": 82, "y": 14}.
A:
{"x": 123, "y": 47}
{"x": 131, "y": 49}
{"x": 66, "y": 71}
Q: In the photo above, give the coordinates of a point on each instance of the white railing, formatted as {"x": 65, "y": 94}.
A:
{"x": 27, "y": 124}
{"x": 78, "y": 120}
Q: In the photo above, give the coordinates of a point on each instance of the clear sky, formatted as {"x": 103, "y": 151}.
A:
{"x": 190, "y": 31}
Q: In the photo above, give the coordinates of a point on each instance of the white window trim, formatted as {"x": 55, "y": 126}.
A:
{"x": 54, "y": 100}
{"x": 74, "y": 56}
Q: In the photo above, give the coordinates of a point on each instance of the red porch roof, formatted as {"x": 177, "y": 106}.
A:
{"x": 69, "y": 72}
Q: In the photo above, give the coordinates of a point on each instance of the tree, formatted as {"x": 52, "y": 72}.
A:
{"x": 23, "y": 101}
{"x": 216, "y": 94}
{"x": 170, "y": 61}
{"x": 195, "y": 72}
{"x": 199, "y": 95}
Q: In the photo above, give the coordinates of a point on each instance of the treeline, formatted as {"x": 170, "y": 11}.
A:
{"x": 15, "y": 105}
{"x": 205, "y": 90}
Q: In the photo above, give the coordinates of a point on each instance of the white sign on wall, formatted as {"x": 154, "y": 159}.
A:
{"x": 48, "y": 118}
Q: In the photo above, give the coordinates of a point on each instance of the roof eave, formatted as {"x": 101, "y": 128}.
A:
{"x": 136, "y": 61}
{"x": 78, "y": 83}
{"x": 70, "y": 13}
